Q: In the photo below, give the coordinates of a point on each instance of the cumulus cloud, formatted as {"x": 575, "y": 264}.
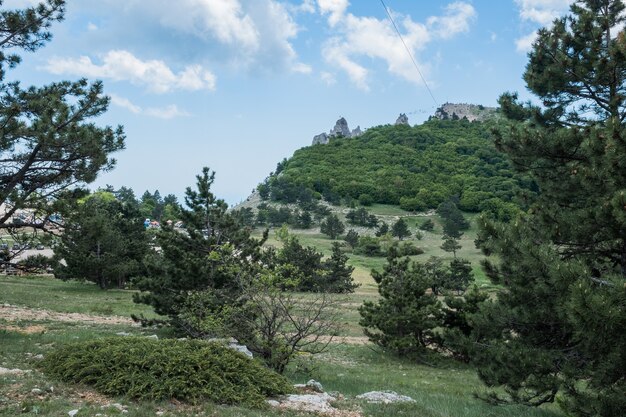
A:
{"x": 168, "y": 112}
{"x": 250, "y": 34}
{"x": 374, "y": 38}
{"x": 541, "y": 13}
{"x": 120, "y": 65}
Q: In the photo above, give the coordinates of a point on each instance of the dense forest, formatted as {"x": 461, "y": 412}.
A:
{"x": 425, "y": 165}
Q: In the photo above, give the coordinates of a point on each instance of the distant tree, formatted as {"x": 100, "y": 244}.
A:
{"x": 452, "y": 218}
{"x": 103, "y": 242}
{"x": 366, "y": 200}
{"x": 383, "y": 229}
{"x": 419, "y": 235}
{"x": 451, "y": 244}
{"x": 428, "y": 225}
{"x": 303, "y": 220}
{"x": 361, "y": 217}
{"x": 437, "y": 274}
{"x": 400, "y": 229}
{"x": 338, "y": 274}
{"x": 352, "y": 238}
{"x": 461, "y": 275}
{"x": 332, "y": 226}
{"x": 245, "y": 216}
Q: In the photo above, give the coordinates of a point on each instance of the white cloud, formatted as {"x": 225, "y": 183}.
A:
{"x": 168, "y": 112}
{"x": 525, "y": 43}
{"x": 120, "y": 65}
{"x": 223, "y": 19}
{"x": 457, "y": 19}
{"x": 92, "y": 27}
{"x": 335, "y": 8}
{"x": 302, "y": 68}
{"x": 541, "y": 13}
{"x": 373, "y": 38}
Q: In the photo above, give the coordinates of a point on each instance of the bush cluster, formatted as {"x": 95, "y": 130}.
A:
{"x": 149, "y": 369}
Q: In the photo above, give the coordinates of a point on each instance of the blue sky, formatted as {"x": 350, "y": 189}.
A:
{"x": 238, "y": 85}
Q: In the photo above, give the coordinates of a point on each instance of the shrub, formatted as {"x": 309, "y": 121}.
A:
{"x": 149, "y": 369}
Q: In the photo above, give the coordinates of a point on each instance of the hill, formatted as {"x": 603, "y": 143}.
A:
{"x": 415, "y": 167}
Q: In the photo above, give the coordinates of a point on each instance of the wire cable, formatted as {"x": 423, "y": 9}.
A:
{"x": 409, "y": 52}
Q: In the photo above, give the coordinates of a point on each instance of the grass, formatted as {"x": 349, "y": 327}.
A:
{"x": 69, "y": 297}
{"x": 441, "y": 387}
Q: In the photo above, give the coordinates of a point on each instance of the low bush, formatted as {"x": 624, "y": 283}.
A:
{"x": 147, "y": 369}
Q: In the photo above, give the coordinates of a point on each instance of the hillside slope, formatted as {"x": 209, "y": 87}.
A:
{"x": 415, "y": 167}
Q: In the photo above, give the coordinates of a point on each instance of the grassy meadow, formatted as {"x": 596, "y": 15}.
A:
{"x": 351, "y": 366}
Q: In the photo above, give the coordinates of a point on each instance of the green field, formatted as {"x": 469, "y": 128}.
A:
{"x": 441, "y": 387}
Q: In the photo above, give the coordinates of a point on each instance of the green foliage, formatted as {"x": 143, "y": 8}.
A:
{"x": 361, "y": 217}
{"x": 382, "y": 230}
{"x": 452, "y": 219}
{"x": 214, "y": 254}
{"x": 369, "y": 246}
{"x": 555, "y": 331}
{"x": 417, "y": 167}
{"x": 103, "y": 241}
{"x": 406, "y": 316}
{"x": 303, "y": 268}
{"x": 400, "y": 229}
{"x": 49, "y": 141}
{"x": 428, "y": 225}
{"x": 352, "y": 238}
{"x": 450, "y": 244}
{"x": 338, "y": 274}
{"x": 146, "y": 369}
{"x": 332, "y": 226}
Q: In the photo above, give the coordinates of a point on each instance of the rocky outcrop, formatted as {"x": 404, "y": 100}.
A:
{"x": 402, "y": 120}
{"x": 471, "y": 112}
{"x": 321, "y": 139}
{"x": 341, "y": 129}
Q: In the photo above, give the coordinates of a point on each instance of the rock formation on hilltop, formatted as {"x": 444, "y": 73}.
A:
{"x": 341, "y": 129}
{"x": 402, "y": 120}
{"x": 471, "y": 112}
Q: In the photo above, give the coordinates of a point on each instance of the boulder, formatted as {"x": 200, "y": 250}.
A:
{"x": 341, "y": 128}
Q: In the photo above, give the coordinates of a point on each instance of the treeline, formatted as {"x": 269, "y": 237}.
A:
{"x": 416, "y": 167}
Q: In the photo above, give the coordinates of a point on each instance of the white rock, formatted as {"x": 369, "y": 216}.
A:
{"x": 123, "y": 334}
{"x": 312, "y": 403}
{"x": 36, "y": 391}
{"x": 72, "y": 413}
{"x": 153, "y": 336}
{"x": 273, "y": 403}
{"x": 6, "y": 371}
{"x": 314, "y": 385}
{"x": 384, "y": 397}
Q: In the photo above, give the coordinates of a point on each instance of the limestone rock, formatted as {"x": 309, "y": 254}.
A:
{"x": 402, "y": 120}
{"x": 384, "y": 397}
{"x": 341, "y": 128}
{"x": 321, "y": 139}
{"x": 356, "y": 132}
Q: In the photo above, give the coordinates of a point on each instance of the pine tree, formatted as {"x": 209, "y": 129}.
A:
{"x": 563, "y": 264}
{"x": 49, "y": 141}
{"x": 338, "y": 274}
{"x": 332, "y": 226}
{"x": 406, "y": 315}
{"x": 103, "y": 241}
{"x": 210, "y": 263}
{"x": 400, "y": 229}
{"x": 451, "y": 244}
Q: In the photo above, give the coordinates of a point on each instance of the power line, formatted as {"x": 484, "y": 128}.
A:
{"x": 409, "y": 52}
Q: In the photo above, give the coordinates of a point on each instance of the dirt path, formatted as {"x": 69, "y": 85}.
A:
{"x": 14, "y": 313}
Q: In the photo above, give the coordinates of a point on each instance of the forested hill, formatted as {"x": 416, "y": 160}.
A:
{"x": 414, "y": 167}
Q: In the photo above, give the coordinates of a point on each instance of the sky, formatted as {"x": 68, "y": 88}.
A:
{"x": 238, "y": 85}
